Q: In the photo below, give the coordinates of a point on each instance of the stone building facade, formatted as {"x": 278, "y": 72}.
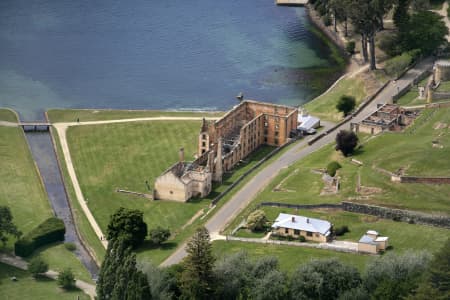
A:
{"x": 223, "y": 143}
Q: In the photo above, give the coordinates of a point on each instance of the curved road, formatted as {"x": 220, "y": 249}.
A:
{"x": 245, "y": 195}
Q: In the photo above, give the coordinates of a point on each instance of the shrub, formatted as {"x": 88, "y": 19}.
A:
{"x": 398, "y": 64}
{"x": 159, "y": 235}
{"x": 346, "y": 142}
{"x": 350, "y": 47}
{"x": 128, "y": 224}
{"x": 256, "y": 220}
{"x": 302, "y": 239}
{"x": 326, "y": 20}
{"x": 332, "y": 168}
{"x": 66, "y": 279}
{"x": 338, "y": 231}
{"x": 70, "y": 246}
{"x": 51, "y": 230}
{"x": 346, "y": 104}
{"x": 37, "y": 266}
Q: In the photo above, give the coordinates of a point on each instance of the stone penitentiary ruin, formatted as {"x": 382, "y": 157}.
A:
{"x": 222, "y": 144}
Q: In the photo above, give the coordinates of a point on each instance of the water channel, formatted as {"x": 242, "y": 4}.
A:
{"x": 43, "y": 153}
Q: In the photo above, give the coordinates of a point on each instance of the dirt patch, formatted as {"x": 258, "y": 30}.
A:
{"x": 369, "y": 190}
{"x": 440, "y": 125}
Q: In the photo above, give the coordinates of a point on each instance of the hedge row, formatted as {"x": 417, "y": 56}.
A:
{"x": 51, "y": 230}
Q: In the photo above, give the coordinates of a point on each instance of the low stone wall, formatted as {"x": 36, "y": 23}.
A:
{"x": 414, "y": 179}
{"x": 398, "y": 214}
{"x": 441, "y": 95}
{"x": 301, "y": 206}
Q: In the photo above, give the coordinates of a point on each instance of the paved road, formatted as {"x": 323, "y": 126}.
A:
{"x": 245, "y": 195}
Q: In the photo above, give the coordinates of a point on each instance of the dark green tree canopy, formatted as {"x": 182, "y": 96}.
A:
{"x": 6, "y": 225}
{"x": 346, "y": 142}
{"x": 159, "y": 235}
{"x": 128, "y": 224}
{"x": 197, "y": 279}
{"x": 346, "y": 104}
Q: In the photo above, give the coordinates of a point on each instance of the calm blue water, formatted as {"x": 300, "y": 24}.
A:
{"x": 168, "y": 54}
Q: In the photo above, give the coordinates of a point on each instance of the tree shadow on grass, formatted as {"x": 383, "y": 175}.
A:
{"x": 148, "y": 245}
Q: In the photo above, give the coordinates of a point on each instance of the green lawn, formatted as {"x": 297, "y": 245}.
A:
{"x": 7, "y": 115}
{"x": 444, "y": 86}
{"x": 148, "y": 148}
{"x": 20, "y": 186}
{"x": 71, "y": 115}
{"x": 411, "y": 150}
{"x": 59, "y": 258}
{"x": 289, "y": 257}
{"x": 411, "y": 98}
{"x": 26, "y": 287}
{"x": 81, "y": 221}
{"x": 402, "y": 237}
{"x": 324, "y": 106}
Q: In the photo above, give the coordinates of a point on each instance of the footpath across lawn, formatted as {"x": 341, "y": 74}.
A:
{"x": 26, "y": 287}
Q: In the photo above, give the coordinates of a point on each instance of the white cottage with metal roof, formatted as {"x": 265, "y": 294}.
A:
{"x": 296, "y": 226}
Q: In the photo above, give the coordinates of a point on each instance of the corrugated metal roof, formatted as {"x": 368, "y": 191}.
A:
{"x": 365, "y": 239}
{"x": 307, "y": 122}
{"x": 302, "y": 223}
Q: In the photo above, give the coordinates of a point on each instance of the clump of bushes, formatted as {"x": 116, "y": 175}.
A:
{"x": 332, "y": 168}
{"x": 50, "y": 231}
{"x": 302, "y": 239}
{"x": 66, "y": 280}
{"x": 350, "y": 47}
{"x": 339, "y": 231}
{"x": 257, "y": 220}
{"x": 70, "y": 246}
{"x": 37, "y": 266}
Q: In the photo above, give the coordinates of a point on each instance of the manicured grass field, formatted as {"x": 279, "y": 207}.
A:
{"x": 410, "y": 99}
{"x": 26, "y": 287}
{"x": 289, "y": 257}
{"x": 7, "y": 115}
{"x": 148, "y": 148}
{"x": 59, "y": 258}
{"x": 411, "y": 150}
{"x": 20, "y": 186}
{"x": 71, "y": 115}
{"x": 324, "y": 106}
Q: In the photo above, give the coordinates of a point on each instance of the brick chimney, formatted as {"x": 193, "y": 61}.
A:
{"x": 181, "y": 155}
{"x": 293, "y": 219}
{"x": 307, "y": 220}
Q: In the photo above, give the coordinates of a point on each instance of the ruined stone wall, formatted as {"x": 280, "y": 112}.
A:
{"x": 398, "y": 214}
{"x": 414, "y": 179}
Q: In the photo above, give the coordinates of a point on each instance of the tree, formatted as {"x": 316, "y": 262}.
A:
{"x": 401, "y": 16}
{"x": 323, "y": 279}
{"x": 66, "y": 280}
{"x": 346, "y": 104}
{"x": 366, "y": 19}
{"x": 128, "y": 224}
{"x": 37, "y": 266}
{"x": 256, "y": 220}
{"x": 234, "y": 277}
{"x": 163, "y": 285}
{"x": 332, "y": 167}
{"x": 425, "y": 30}
{"x": 6, "y": 225}
{"x": 159, "y": 235}
{"x": 395, "y": 276}
{"x": 119, "y": 277}
{"x": 346, "y": 142}
{"x": 270, "y": 287}
{"x": 197, "y": 279}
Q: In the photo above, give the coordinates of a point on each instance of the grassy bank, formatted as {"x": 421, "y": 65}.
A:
{"x": 324, "y": 106}
{"x": 71, "y": 115}
{"x": 7, "y": 115}
{"x": 20, "y": 187}
{"x": 26, "y": 287}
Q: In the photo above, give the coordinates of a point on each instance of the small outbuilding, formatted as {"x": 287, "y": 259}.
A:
{"x": 296, "y": 226}
{"x": 372, "y": 242}
{"x": 307, "y": 123}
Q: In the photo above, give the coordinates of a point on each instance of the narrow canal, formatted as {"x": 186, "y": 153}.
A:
{"x": 45, "y": 157}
